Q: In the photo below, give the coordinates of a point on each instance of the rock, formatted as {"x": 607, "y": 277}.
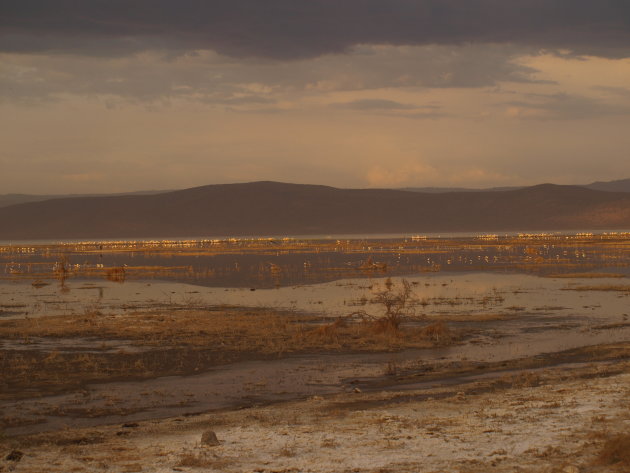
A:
{"x": 356, "y": 390}
{"x": 14, "y": 456}
{"x": 209, "y": 439}
{"x": 570, "y": 469}
{"x": 131, "y": 425}
{"x": 317, "y": 398}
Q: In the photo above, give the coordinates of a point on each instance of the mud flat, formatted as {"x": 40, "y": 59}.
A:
{"x": 333, "y": 357}
{"x": 568, "y": 418}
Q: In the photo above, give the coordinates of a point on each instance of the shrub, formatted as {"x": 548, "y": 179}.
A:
{"x": 395, "y": 304}
{"x": 115, "y": 274}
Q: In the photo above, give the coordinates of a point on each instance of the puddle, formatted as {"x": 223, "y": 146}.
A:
{"x": 72, "y": 345}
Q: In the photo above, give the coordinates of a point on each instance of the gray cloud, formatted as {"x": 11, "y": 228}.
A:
{"x": 392, "y": 108}
{"x": 614, "y": 91}
{"x": 562, "y": 106}
{"x": 374, "y": 104}
{"x": 290, "y": 29}
{"x": 208, "y": 77}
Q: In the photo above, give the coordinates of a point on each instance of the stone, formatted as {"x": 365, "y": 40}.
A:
{"x": 14, "y": 456}
{"x": 209, "y": 439}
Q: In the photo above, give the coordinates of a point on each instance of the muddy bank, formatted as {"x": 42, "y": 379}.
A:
{"x": 66, "y": 353}
{"x": 562, "y": 420}
{"x": 250, "y": 383}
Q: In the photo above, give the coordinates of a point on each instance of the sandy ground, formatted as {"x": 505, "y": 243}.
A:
{"x": 555, "y": 420}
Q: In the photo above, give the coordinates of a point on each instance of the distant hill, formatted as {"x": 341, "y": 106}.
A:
{"x": 13, "y": 199}
{"x": 271, "y": 208}
{"x": 6, "y": 200}
{"x": 622, "y": 185}
{"x": 441, "y": 190}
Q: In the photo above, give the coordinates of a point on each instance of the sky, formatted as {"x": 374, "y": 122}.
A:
{"x": 117, "y": 96}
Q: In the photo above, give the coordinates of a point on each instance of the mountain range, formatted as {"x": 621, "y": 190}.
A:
{"x": 622, "y": 185}
{"x": 272, "y": 208}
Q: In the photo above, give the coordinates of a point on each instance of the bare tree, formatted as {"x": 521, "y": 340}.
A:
{"x": 395, "y": 302}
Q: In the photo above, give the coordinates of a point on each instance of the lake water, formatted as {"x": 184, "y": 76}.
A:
{"x": 450, "y": 278}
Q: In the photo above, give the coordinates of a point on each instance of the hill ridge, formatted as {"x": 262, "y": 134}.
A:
{"x": 275, "y": 208}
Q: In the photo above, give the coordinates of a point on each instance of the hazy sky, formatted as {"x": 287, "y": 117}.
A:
{"x": 111, "y": 96}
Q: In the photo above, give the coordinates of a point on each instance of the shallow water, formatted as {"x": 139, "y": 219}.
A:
{"x": 435, "y": 295}
{"x": 508, "y": 310}
{"x": 279, "y": 263}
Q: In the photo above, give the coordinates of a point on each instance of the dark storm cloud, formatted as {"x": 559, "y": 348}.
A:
{"x": 291, "y": 29}
{"x": 210, "y": 78}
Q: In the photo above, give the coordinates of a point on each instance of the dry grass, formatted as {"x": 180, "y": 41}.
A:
{"x": 202, "y": 459}
{"x": 288, "y": 451}
{"x": 185, "y": 342}
{"x": 227, "y": 330}
{"x": 115, "y": 274}
{"x": 437, "y": 332}
{"x": 585, "y": 275}
{"x": 603, "y": 287}
{"x": 329, "y": 443}
{"x": 376, "y": 335}
{"x": 263, "y": 331}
